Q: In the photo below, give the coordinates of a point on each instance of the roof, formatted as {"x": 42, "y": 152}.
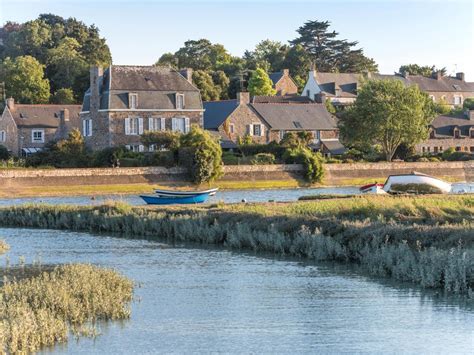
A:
{"x": 444, "y": 125}
{"x": 42, "y": 116}
{"x": 225, "y": 141}
{"x": 282, "y": 99}
{"x": 296, "y": 116}
{"x": 155, "y": 86}
{"x": 216, "y": 112}
{"x": 333, "y": 146}
{"x": 276, "y": 77}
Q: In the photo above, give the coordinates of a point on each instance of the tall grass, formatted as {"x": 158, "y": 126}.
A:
{"x": 43, "y": 310}
{"x": 426, "y": 240}
{"x": 3, "y": 246}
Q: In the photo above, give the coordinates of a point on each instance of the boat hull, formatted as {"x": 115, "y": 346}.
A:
{"x": 170, "y": 200}
{"x": 416, "y": 184}
{"x": 169, "y": 193}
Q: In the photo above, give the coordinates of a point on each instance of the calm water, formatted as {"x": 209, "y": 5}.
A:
{"x": 195, "y": 300}
{"x": 226, "y": 196}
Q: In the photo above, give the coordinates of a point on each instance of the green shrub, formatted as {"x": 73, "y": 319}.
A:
{"x": 423, "y": 159}
{"x": 451, "y": 154}
{"x": 108, "y": 157}
{"x": 434, "y": 159}
{"x": 312, "y": 162}
{"x": 130, "y": 162}
{"x": 161, "y": 139}
{"x": 4, "y": 154}
{"x": 271, "y": 148}
{"x": 263, "y": 159}
{"x": 443, "y": 107}
{"x": 166, "y": 158}
{"x": 468, "y": 103}
{"x": 229, "y": 158}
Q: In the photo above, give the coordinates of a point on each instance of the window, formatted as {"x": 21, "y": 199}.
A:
{"x": 297, "y": 124}
{"x": 471, "y": 131}
{"x": 135, "y": 147}
{"x": 133, "y": 126}
{"x": 457, "y": 100}
{"x": 3, "y": 136}
{"x": 432, "y": 134}
{"x": 282, "y": 134}
{"x": 179, "y": 101}
{"x": 432, "y": 98}
{"x": 132, "y": 101}
{"x": 471, "y": 149}
{"x": 87, "y": 128}
{"x": 423, "y": 149}
{"x": 180, "y": 124}
{"x": 37, "y": 136}
{"x": 308, "y": 93}
{"x": 257, "y": 130}
{"x": 458, "y": 149}
{"x": 231, "y": 128}
{"x": 457, "y": 134}
{"x": 156, "y": 124}
{"x": 435, "y": 149}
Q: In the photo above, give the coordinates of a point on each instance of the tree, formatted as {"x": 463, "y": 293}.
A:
{"x": 202, "y": 55}
{"x": 260, "y": 83}
{"x": 468, "y": 103}
{"x": 209, "y": 91}
{"x": 330, "y": 54}
{"x": 222, "y": 82}
{"x": 424, "y": 70}
{"x": 24, "y": 80}
{"x": 268, "y": 54}
{"x": 389, "y": 114}
{"x": 64, "y": 96}
{"x": 298, "y": 62}
{"x": 168, "y": 60}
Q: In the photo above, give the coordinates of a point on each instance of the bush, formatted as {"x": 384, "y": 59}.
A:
{"x": 263, "y": 158}
{"x": 162, "y": 139}
{"x": 468, "y": 103}
{"x": 271, "y": 148}
{"x": 312, "y": 162}
{"x": 130, "y": 162}
{"x": 229, "y": 158}
{"x": 166, "y": 158}
{"x": 4, "y": 154}
{"x": 443, "y": 107}
{"x": 108, "y": 157}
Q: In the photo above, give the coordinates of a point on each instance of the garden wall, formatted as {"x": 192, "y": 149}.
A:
{"x": 335, "y": 174}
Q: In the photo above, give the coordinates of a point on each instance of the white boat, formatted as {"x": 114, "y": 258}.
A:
{"x": 175, "y": 193}
{"x": 414, "y": 183}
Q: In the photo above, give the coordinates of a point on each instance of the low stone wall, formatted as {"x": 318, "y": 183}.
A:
{"x": 335, "y": 173}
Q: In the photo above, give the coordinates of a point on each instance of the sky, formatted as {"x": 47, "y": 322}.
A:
{"x": 393, "y": 32}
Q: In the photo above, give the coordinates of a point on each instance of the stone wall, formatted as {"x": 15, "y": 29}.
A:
{"x": 335, "y": 173}
{"x": 286, "y": 86}
{"x": 241, "y": 118}
{"x": 438, "y": 145}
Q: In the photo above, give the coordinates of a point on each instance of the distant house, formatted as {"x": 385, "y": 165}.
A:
{"x": 26, "y": 129}
{"x": 267, "y": 122}
{"x": 341, "y": 88}
{"x": 450, "y": 132}
{"x": 283, "y": 83}
{"x": 125, "y": 101}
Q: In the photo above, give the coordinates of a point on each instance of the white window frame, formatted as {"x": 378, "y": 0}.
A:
{"x": 457, "y": 97}
{"x": 133, "y": 126}
{"x": 131, "y": 103}
{"x": 156, "y": 124}
{"x": 135, "y": 147}
{"x": 174, "y": 125}
{"x": 252, "y": 130}
{"x": 3, "y": 136}
{"x": 282, "y": 134}
{"x": 87, "y": 127}
{"x": 36, "y": 140}
{"x": 180, "y": 105}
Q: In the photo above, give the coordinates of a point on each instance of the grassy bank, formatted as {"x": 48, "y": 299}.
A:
{"x": 427, "y": 240}
{"x": 42, "y": 310}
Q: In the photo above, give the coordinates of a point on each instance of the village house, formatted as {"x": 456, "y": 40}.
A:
{"x": 341, "y": 88}
{"x": 27, "y": 129}
{"x": 446, "y": 132}
{"x": 125, "y": 101}
{"x": 266, "y": 121}
{"x": 283, "y": 83}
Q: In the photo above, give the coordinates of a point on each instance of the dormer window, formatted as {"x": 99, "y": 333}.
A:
{"x": 179, "y": 101}
{"x": 457, "y": 133}
{"x": 132, "y": 101}
{"x": 471, "y": 132}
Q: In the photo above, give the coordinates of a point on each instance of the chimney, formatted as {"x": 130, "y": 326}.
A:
{"x": 187, "y": 73}
{"x": 460, "y": 76}
{"x": 10, "y": 103}
{"x": 320, "y": 97}
{"x": 243, "y": 98}
{"x": 96, "y": 74}
{"x": 286, "y": 72}
{"x": 337, "y": 91}
{"x": 65, "y": 115}
{"x": 367, "y": 74}
{"x": 438, "y": 75}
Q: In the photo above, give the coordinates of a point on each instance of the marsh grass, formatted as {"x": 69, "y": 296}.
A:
{"x": 42, "y": 310}
{"x": 428, "y": 240}
{"x": 4, "y": 247}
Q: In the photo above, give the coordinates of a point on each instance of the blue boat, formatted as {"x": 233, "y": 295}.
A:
{"x": 175, "y": 193}
{"x": 163, "y": 200}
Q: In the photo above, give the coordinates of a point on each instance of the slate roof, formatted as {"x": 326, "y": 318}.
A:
{"x": 225, "y": 141}
{"x": 282, "y": 99}
{"x": 444, "y": 125}
{"x": 275, "y": 77}
{"x": 43, "y": 116}
{"x": 333, "y": 146}
{"x": 296, "y": 116}
{"x": 156, "y": 87}
{"x": 216, "y": 112}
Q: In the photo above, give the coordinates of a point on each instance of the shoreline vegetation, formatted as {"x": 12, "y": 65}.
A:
{"x": 42, "y": 306}
{"x": 427, "y": 240}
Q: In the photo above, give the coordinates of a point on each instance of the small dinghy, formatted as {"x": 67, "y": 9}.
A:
{"x": 414, "y": 183}
{"x": 168, "y": 197}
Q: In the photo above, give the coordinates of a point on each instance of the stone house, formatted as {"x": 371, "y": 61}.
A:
{"x": 283, "y": 83}
{"x": 341, "y": 88}
{"x": 26, "y": 129}
{"x": 125, "y": 101}
{"x": 450, "y": 132}
{"x": 265, "y": 122}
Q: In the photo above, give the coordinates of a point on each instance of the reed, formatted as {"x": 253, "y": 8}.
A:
{"x": 43, "y": 310}
{"x": 428, "y": 240}
{"x": 3, "y": 246}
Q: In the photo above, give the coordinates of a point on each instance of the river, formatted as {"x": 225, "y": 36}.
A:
{"x": 207, "y": 300}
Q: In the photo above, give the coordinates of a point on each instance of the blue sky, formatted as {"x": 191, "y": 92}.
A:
{"x": 392, "y": 32}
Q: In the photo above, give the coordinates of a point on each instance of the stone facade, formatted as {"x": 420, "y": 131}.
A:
{"x": 285, "y": 85}
{"x": 9, "y": 132}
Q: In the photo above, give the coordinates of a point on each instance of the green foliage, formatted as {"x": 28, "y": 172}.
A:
{"x": 161, "y": 139}
{"x": 424, "y": 70}
{"x": 312, "y": 162}
{"x": 202, "y": 55}
{"x": 298, "y": 62}
{"x": 205, "y": 164}
{"x": 24, "y": 80}
{"x": 4, "y": 154}
{"x": 389, "y": 114}
{"x": 245, "y": 140}
{"x": 330, "y": 107}
{"x": 451, "y": 154}
{"x": 263, "y": 159}
{"x": 261, "y": 84}
{"x": 64, "y": 96}
{"x": 267, "y": 54}
{"x": 297, "y": 139}
{"x": 272, "y": 148}
{"x": 168, "y": 60}
{"x": 330, "y": 54}
{"x": 468, "y": 103}
{"x": 166, "y": 158}
{"x": 203, "y": 81}
{"x": 221, "y": 81}
{"x": 442, "y": 107}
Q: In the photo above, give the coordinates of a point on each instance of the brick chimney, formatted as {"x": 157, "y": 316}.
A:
{"x": 65, "y": 115}
{"x": 10, "y": 103}
{"x": 460, "y": 76}
{"x": 187, "y": 73}
{"x": 320, "y": 97}
{"x": 286, "y": 72}
{"x": 438, "y": 75}
{"x": 243, "y": 98}
{"x": 96, "y": 74}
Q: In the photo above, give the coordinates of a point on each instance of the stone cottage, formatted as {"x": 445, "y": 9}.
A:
{"x": 125, "y": 101}
{"x": 26, "y": 129}
{"x": 341, "y": 88}
{"x": 283, "y": 83}
{"x": 265, "y": 122}
{"x": 446, "y": 132}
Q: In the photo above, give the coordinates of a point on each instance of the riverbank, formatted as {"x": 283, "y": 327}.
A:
{"x": 427, "y": 240}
